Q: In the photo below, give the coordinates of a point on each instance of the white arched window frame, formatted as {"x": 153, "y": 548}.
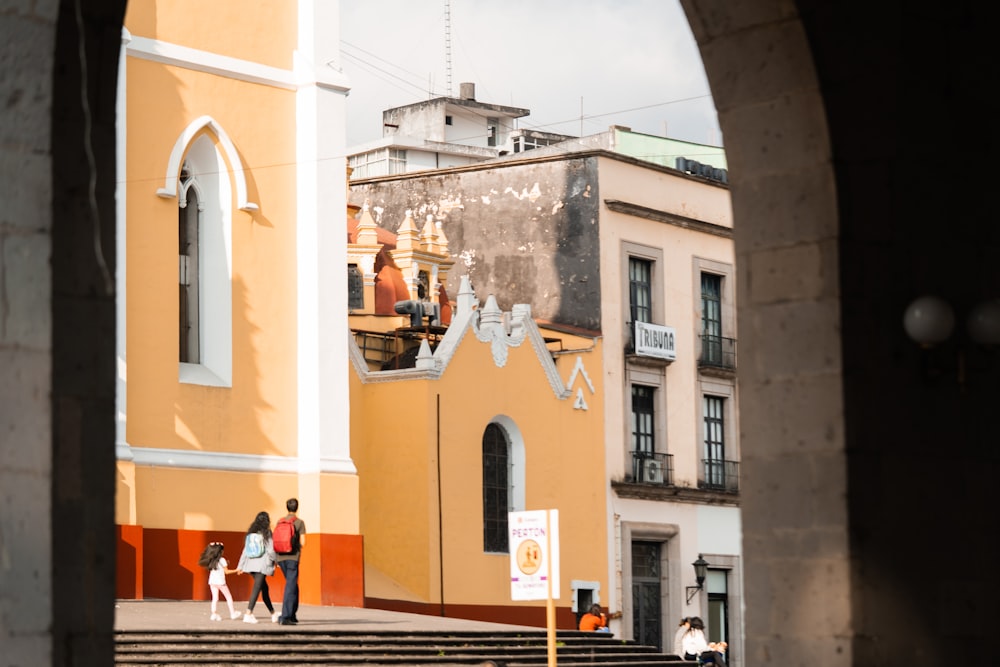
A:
{"x": 517, "y": 477}
{"x": 215, "y": 171}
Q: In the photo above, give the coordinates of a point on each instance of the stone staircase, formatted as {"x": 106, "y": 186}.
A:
{"x": 375, "y": 649}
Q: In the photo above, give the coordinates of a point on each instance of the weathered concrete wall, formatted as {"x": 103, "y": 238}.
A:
{"x": 512, "y": 229}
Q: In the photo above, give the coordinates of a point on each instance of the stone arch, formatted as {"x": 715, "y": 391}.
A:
{"x": 770, "y": 175}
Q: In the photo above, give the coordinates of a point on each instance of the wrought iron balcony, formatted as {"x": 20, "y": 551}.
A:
{"x": 717, "y": 352}
{"x": 652, "y": 468}
{"x": 720, "y": 475}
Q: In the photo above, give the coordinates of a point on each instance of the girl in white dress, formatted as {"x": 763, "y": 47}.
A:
{"x": 218, "y": 568}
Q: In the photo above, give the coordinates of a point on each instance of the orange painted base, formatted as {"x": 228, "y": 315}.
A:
{"x": 163, "y": 564}
{"x": 337, "y": 576}
{"x": 128, "y": 562}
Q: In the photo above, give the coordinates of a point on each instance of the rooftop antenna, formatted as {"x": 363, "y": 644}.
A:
{"x": 447, "y": 42}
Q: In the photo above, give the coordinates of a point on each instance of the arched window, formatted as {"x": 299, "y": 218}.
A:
{"x": 204, "y": 314}
{"x": 188, "y": 246}
{"x": 496, "y": 489}
{"x": 504, "y": 480}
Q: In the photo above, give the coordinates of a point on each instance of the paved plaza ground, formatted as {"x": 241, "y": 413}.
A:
{"x": 142, "y": 615}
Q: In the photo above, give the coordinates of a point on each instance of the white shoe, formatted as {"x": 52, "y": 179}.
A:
{"x": 235, "y": 615}
{"x": 249, "y": 618}
{"x": 215, "y": 617}
{"x": 275, "y": 616}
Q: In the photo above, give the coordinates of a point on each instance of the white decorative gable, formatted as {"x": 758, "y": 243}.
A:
{"x": 503, "y": 332}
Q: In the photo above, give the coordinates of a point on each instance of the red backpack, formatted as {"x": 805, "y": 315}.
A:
{"x": 284, "y": 535}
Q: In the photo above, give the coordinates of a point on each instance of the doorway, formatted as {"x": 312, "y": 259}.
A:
{"x": 647, "y": 620}
{"x": 718, "y": 623}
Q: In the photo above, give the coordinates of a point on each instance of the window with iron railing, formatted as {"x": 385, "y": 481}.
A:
{"x": 714, "y": 416}
{"x": 652, "y": 468}
{"x": 717, "y": 352}
{"x": 720, "y": 475}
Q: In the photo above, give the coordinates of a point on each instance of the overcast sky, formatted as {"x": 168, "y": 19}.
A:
{"x": 613, "y": 62}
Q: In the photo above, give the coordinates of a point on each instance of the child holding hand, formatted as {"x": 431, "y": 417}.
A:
{"x": 218, "y": 568}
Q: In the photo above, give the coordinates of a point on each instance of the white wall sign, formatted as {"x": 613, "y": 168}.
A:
{"x": 653, "y": 340}
{"x": 534, "y": 554}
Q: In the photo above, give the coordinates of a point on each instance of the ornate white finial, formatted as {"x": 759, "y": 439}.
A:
{"x": 466, "y": 302}
{"x": 425, "y": 358}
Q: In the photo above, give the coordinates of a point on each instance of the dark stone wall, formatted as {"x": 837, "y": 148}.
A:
{"x": 525, "y": 233}
{"x": 916, "y": 217}
{"x": 83, "y": 332}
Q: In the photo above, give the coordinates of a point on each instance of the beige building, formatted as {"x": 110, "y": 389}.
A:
{"x": 639, "y": 258}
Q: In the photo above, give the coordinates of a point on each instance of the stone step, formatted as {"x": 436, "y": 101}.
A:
{"x": 279, "y": 646}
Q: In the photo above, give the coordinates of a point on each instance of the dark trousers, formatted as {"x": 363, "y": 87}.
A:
{"x": 260, "y": 588}
{"x": 290, "y": 600}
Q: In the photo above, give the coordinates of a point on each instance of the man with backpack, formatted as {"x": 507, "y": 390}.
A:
{"x": 289, "y": 538}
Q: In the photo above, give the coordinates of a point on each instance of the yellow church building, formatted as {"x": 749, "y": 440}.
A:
{"x": 232, "y": 380}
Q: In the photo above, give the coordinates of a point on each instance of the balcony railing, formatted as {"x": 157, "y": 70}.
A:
{"x": 720, "y": 475}
{"x": 717, "y": 352}
{"x": 385, "y": 348}
{"x": 653, "y": 468}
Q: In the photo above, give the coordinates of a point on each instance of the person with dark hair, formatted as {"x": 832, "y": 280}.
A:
{"x": 212, "y": 560}
{"x": 682, "y": 627}
{"x": 259, "y": 566}
{"x": 693, "y": 641}
{"x": 594, "y": 620}
{"x": 289, "y": 564}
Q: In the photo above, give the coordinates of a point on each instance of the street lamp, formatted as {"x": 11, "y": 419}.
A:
{"x": 700, "y": 568}
{"x": 929, "y": 321}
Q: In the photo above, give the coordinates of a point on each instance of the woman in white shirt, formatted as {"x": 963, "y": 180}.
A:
{"x": 693, "y": 642}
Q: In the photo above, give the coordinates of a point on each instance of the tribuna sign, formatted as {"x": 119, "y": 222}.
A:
{"x": 654, "y": 340}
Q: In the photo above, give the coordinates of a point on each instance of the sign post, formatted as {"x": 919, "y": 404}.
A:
{"x": 534, "y": 564}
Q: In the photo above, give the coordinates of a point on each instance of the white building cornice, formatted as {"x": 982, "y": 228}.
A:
{"x": 198, "y": 60}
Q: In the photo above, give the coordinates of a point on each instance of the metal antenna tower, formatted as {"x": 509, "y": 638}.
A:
{"x": 447, "y": 42}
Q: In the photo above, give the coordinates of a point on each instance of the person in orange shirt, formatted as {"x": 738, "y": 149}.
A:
{"x": 594, "y": 620}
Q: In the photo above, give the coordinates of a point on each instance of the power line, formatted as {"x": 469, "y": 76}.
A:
{"x": 429, "y": 92}
{"x": 622, "y": 111}
{"x": 378, "y": 72}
